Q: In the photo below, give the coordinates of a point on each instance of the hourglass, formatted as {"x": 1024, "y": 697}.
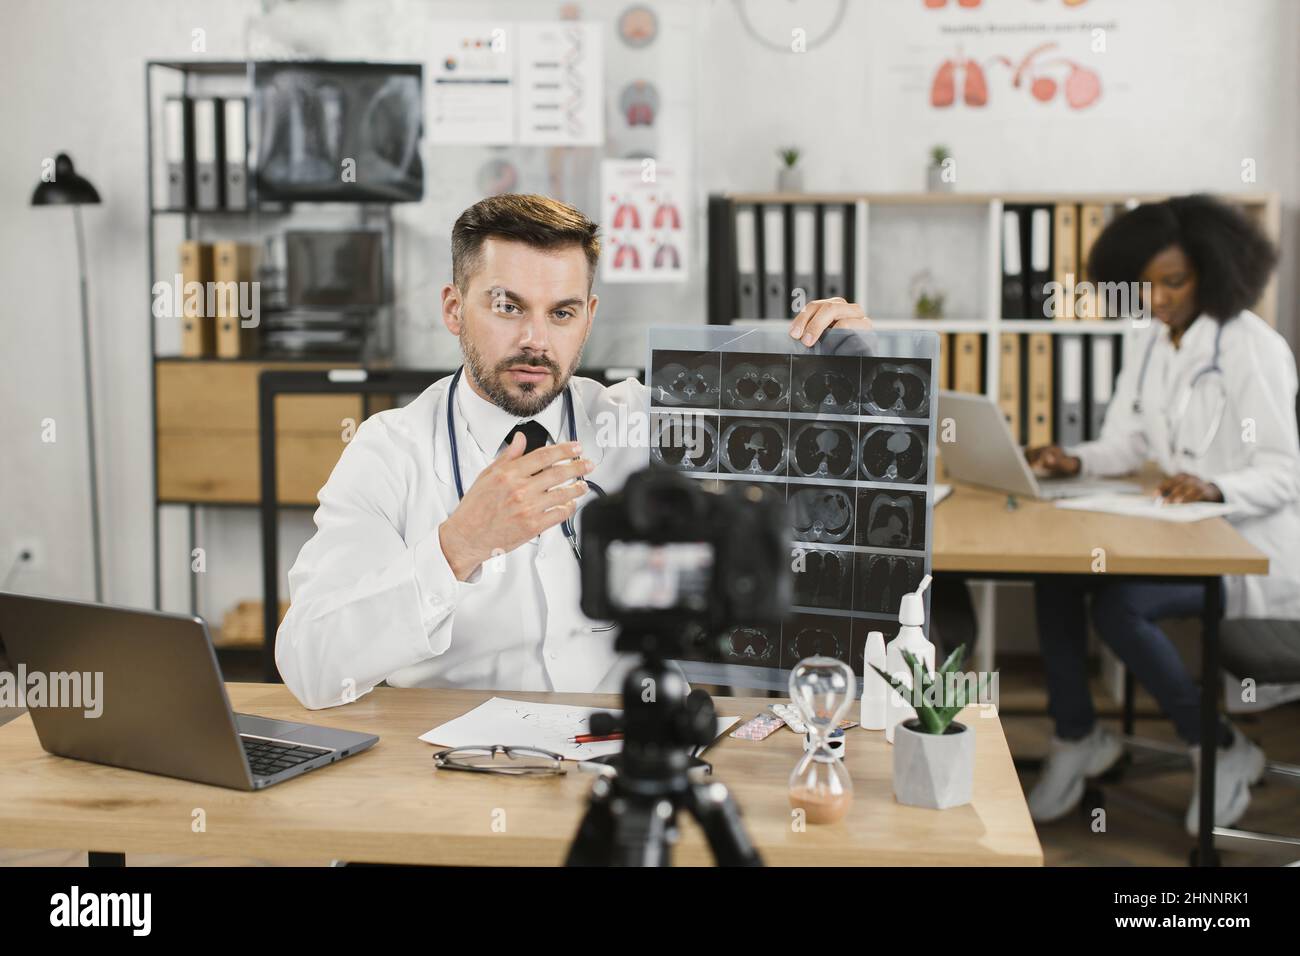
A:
{"x": 822, "y": 688}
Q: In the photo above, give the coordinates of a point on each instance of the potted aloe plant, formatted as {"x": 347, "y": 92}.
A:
{"x": 934, "y": 756}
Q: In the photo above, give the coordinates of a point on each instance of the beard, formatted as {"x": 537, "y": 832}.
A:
{"x": 520, "y": 399}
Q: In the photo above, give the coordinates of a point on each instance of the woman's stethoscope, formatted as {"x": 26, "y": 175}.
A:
{"x": 567, "y": 525}
{"x": 1212, "y": 376}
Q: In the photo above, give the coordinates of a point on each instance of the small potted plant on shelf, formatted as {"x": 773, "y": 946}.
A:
{"x": 789, "y": 178}
{"x": 927, "y": 296}
{"x": 938, "y": 177}
{"x": 934, "y": 756}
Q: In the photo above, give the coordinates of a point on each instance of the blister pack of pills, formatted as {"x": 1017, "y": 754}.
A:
{"x": 758, "y": 728}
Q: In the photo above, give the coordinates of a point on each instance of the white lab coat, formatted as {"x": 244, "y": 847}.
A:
{"x": 1254, "y": 458}
{"x": 372, "y": 597}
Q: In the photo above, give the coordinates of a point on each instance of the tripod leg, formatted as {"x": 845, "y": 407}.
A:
{"x": 719, "y": 818}
{"x": 618, "y": 831}
{"x": 594, "y": 841}
{"x": 643, "y": 833}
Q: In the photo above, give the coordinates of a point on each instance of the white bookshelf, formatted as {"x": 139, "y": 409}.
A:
{"x": 987, "y": 318}
{"x": 986, "y": 231}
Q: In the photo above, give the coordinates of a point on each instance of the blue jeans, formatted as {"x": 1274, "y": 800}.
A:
{"x": 1124, "y": 613}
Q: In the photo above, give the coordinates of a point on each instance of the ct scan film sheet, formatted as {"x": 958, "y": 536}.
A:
{"x": 843, "y": 433}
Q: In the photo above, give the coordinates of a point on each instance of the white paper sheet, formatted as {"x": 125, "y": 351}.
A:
{"x": 522, "y": 723}
{"x": 1147, "y": 506}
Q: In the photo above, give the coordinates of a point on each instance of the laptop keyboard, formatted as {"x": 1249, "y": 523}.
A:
{"x": 269, "y": 757}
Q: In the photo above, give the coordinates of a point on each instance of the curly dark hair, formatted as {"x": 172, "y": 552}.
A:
{"x": 1232, "y": 256}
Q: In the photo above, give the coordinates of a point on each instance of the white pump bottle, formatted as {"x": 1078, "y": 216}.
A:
{"x": 874, "y": 690}
{"x": 911, "y": 638}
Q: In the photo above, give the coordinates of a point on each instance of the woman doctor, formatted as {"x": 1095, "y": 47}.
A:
{"x": 1209, "y": 393}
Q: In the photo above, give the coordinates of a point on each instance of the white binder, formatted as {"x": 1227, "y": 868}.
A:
{"x": 805, "y": 251}
{"x": 1103, "y": 382}
{"x": 833, "y": 283}
{"x": 176, "y": 145}
{"x": 776, "y": 297}
{"x": 236, "y": 164}
{"x": 747, "y": 277}
{"x": 1069, "y": 402}
{"x": 207, "y": 160}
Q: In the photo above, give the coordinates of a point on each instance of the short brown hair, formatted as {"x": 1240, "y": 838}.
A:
{"x": 538, "y": 221}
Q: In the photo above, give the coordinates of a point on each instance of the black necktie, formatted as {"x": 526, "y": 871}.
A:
{"x": 535, "y": 434}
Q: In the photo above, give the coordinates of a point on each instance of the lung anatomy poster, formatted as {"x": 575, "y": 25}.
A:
{"x": 844, "y": 434}
{"x": 643, "y": 221}
{"x": 1004, "y": 58}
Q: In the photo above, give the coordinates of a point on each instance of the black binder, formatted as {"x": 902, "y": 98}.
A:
{"x": 1013, "y": 262}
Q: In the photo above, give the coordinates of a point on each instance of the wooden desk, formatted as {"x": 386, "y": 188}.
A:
{"x": 977, "y": 536}
{"x": 389, "y": 804}
{"x": 975, "y": 532}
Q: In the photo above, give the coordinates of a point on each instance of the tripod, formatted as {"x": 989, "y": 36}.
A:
{"x": 631, "y": 819}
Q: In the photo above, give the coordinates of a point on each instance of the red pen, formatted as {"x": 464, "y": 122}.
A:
{"x": 594, "y": 739}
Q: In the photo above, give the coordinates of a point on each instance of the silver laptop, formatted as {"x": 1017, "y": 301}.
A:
{"x": 141, "y": 690}
{"x": 985, "y": 453}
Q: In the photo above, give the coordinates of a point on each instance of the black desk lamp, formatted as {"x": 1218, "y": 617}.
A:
{"x": 67, "y": 188}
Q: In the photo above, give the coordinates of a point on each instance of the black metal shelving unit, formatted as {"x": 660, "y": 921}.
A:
{"x": 186, "y": 77}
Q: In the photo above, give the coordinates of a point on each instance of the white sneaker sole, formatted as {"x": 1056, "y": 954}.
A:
{"x": 1238, "y": 804}
{"x": 1105, "y": 758}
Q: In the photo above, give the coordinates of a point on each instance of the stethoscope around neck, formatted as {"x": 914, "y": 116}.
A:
{"x": 569, "y": 532}
{"x": 1210, "y": 373}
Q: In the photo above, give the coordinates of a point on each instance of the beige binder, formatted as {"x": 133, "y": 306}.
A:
{"x": 233, "y": 267}
{"x": 1009, "y": 383}
{"x": 198, "y": 330}
{"x": 1039, "y": 426}
{"x": 1092, "y": 220}
{"x": 1065, "y": 258}
{"x": 966, "y": 362}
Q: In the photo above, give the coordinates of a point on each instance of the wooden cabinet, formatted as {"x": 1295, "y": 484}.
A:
{"x": 207, "y": 448}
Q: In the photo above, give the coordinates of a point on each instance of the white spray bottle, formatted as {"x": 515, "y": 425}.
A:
{"x": 911, "y": 638}
{"x": 874, "y": 690}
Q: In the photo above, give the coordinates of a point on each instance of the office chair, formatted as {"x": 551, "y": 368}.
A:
{"x": 1268, "y": 652}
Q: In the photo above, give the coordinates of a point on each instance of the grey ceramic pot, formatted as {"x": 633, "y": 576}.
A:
{"x": 933, "y": 770}
{"x": 935, "y": 182}
{"x": 789, "y": 180}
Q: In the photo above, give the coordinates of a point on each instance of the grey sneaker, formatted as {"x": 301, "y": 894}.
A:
{"x": 1069, "y": 763}
{"x": 1236, "y": 768}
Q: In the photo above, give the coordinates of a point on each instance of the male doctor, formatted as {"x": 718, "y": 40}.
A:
{"x": 444, "y": 553}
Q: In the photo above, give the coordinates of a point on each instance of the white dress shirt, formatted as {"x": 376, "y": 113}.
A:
{"x": 372, "y": 597}
{"x": 1254, "y": 457}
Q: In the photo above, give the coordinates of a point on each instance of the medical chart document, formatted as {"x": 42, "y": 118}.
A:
{"x": 1148, "y": 506}
{"x": 522, "y": 723}
{"x": 474, "y": 83}
{"x": 561, "y": 80}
